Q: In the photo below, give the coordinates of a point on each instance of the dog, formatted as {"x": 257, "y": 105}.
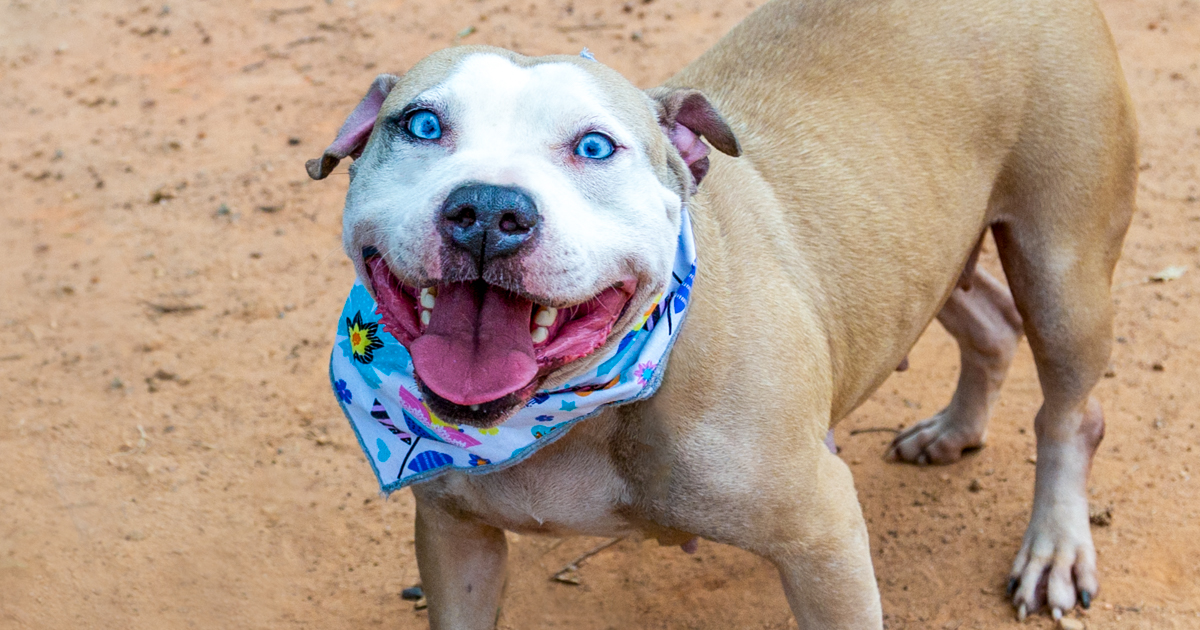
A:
{"x": 861, "y": 151}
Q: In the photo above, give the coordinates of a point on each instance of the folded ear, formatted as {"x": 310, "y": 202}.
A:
{"x": 685, "y": 115}
{"x": 353, "y": 135}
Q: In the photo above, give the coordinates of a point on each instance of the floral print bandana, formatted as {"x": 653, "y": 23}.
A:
{"x": 372, "y": 377}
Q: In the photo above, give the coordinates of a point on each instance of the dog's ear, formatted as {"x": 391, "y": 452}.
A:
{"x": 685, "y": 115}
{"x": 353, "y": 135}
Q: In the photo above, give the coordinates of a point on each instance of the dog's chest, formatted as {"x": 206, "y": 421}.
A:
{"x": 567, "y": 489}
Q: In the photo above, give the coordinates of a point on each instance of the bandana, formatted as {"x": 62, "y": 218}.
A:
{"x": 372, "y": 377}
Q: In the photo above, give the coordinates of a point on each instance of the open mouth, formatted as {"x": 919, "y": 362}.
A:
{"x": 479, "y": 350}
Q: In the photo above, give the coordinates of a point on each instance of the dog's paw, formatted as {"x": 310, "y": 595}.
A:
{"x": 1056, "y": 566}
{"x": 941, "y": 439}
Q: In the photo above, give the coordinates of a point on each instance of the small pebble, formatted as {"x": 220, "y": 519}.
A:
{"x": 568, "y": 576}
{"x": 1067, "y": 623}
{"x": 975, "y": 486}
{"x": 1100, "y": 517}
{"x": 413, "y": 593}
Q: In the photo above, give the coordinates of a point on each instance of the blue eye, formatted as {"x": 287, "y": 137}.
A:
{"x": 425, "y": 125}
{"x": 594, "y": 146}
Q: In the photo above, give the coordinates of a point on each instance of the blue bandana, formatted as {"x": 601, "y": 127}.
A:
{"x": 372, "y": 376}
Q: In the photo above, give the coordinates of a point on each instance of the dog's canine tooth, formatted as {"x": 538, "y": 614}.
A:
{"x": 427, "y": 299}
{"x": 540, "y": 334}
{"x": 424, "y": 317}
{"x": 546, "y": 316}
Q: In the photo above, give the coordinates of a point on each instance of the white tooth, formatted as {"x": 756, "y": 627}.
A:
{"x": 427, "y": 299}
{"x": 546, "y": 316}
{"x": 539, "y": 334}
{"x": 424, "y": 318}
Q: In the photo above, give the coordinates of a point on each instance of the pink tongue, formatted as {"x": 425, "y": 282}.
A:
{"x": 477, "y": 347}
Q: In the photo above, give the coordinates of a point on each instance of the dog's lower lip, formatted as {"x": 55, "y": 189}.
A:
{"x": 483, "y": 415}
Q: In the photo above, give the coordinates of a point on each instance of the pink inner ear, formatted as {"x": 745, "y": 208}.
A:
{"x": 688, "y": 143}
{"x": 352, "y": 137}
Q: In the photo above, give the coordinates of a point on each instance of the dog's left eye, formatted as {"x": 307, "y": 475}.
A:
{"x": 594, "y": 146}
{"x": 425, "y": 125}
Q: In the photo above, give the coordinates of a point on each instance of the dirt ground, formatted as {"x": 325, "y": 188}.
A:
{"x": 171, "y": 456}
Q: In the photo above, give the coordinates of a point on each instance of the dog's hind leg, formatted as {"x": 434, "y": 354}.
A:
{"x": 1063, "y": 294}
{"x": 462, "y": 566}
{"x": 1066, "y": 198}
{"x": 984, "y": 321}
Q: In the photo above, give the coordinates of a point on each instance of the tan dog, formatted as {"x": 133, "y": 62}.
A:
{"x": 879, "y": 141}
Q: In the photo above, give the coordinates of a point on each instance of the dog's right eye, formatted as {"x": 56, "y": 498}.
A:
{"x": 425, "y": 125}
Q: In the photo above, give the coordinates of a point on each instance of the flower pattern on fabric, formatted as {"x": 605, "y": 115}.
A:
{"x": 645, "y": 372}
{"x": 343, "y": 392}
{"x": 364, "y": 338}
{"x": 372, "y": 351}
{"x": 406, "y": 443}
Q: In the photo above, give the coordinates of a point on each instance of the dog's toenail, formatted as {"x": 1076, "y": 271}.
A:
{"x": 1085, "y": 599}
{"x": 1012, "y": 586}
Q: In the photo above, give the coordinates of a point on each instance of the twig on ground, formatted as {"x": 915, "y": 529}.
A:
{"x": 875, "y": 430}
{"x": 569, "y": 574}
{"x": 167, "y": 309}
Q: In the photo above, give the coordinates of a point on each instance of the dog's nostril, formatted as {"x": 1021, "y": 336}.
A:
{"x": 510, "y": 224}
{"x": 464, "y": 216}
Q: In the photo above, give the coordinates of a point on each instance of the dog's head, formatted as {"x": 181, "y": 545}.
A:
{"x": 514, "y": 215}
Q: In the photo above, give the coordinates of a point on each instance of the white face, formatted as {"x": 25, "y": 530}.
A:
{"x": 604, "y": 239}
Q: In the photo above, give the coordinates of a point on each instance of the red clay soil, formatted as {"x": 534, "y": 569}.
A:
{"x": 171, "y": 455}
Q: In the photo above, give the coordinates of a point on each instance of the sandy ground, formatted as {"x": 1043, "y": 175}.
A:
{"x": 171, "y": 457}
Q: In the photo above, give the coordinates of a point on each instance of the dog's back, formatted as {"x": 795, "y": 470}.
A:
{"x": 891, "y": 134}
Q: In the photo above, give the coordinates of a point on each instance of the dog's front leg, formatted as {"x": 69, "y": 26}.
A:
{"x": 462, "y": 567}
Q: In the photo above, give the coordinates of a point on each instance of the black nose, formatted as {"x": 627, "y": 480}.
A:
{"x": 488, "y": 221}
